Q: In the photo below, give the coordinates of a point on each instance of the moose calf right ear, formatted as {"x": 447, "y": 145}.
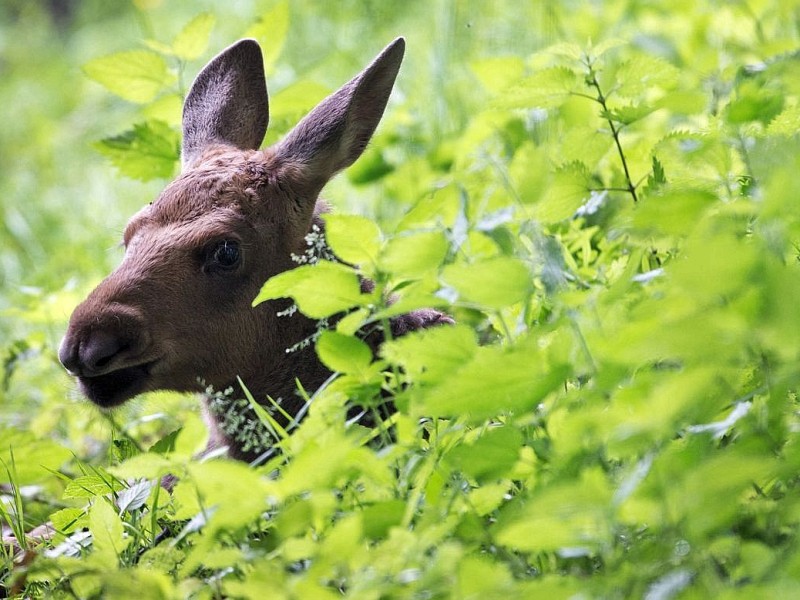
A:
{"x": 227, "y": 104}
{"x": 334, "y": 134}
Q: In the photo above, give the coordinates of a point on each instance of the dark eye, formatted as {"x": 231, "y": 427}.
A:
{"x": 225, "y": 256}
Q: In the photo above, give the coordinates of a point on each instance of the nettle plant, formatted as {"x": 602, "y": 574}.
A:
{"x": 615, "y": 413}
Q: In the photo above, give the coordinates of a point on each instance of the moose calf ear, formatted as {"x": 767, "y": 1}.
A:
{"x": 227, "y": 104}
{"x": 334, "y": 134}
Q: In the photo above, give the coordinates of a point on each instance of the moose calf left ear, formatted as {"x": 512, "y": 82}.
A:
{"x": 227, "y": 104}
{"x": 334, "y": 134}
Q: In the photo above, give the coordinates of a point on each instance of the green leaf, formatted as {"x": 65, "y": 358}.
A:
{"x": 343, "y": 353}
{"x": 545, "y": 89}
{"x": 106, "y": 527}
{"x": 568, "y": 190}
{"x": 787, "y": 123}
{"x": 755, "y": 103}
{"x": 529, "y": 171}
{"x": 378, "y": 518}
{"x": 438, "y": 209}
{"x": 89, "y": 486}
{"x": 295, "y": 99}
{"x": 629, "y": 114}
{"x": 564, "y": 515}
{"x": 68, "y": 520}
{"x": 192, "y": 40}
{"x": 644, "y": 72}
{"x": 491, "y": 456}
{"x": 34, "y": 460}
{"x": 493, "y": 283}
{"x": 352, "y": 238}
{"x": 134, "y": 75}
{"x": 149, "y": 151}
{"x": 237, "y": 491}
{"x": 676, "y": 212}
{"x": 495, "y": 381}
{"x": 498, "y": 72}
{"x": 147, "y": 582}
{"x": 271, "y": 30}
{"x": 414, "y": 254}
{"x": 428, "y": 355}
{"x": 320, "y": 290}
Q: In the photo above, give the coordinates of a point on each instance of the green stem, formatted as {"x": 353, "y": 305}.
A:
{"x": 601, "y": 99}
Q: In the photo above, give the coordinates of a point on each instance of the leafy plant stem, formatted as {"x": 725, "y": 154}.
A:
{"x": 591, "y": 79}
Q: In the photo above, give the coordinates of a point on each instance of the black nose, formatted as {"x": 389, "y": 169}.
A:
{"x": 92, "y": 355}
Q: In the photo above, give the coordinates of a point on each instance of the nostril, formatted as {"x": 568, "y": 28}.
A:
{"x": 99, "y": 351}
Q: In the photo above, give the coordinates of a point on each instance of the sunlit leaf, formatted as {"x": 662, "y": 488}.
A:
{"x": 271, "y": 30}
{"x": 106, "y": 527}
{"x": 135, "y": 75}
{"x": 491, "y": 456}
{"x": 430, "y": 354}
{"x": 320, "y": 290}
{"x": 149, "y": 151}
{"x": 569, "y": 188}
{"x": 343, "y": 353}
{"x": 192, "y": 40}
{"x": 566, "y": 515}
{"x": 545, "y": 89}
{"x": 354, "y": 239}
{"x": 28, "y": 460}
{"x": 414, "y": 254}
{"x": 493, "y": 283}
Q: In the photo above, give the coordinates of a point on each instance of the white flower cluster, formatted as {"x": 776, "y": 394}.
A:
{"x": 238, "y": 420}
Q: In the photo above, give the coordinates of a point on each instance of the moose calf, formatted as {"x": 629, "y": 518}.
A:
{"x": 176, "y": 314}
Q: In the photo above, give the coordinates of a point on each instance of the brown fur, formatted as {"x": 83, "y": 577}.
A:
{"x": 169, "y": 317}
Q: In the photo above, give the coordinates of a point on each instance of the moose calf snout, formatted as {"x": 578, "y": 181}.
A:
{"x": 93, "y": 355}
{"x": 107, "y": 352}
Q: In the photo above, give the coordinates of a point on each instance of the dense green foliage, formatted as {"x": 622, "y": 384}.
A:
{"x": 604, "y": 195}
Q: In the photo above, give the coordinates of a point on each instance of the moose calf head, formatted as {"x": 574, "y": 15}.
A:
{"x": 177, "y": 311}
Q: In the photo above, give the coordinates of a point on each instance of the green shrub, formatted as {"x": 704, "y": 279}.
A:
{"x": 615, "y": 229}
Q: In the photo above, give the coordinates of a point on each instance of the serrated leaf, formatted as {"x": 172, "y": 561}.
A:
{"x": 67, "y": 520}
{"x": 320, "y": 290}
{"x": 149, "y": 151}
{"x": 629, "y": 114}
{"x": 134, "y": 75}
{"x": 492, "y": 283}
{"x": 414, "y": 254}
{"x": 643, "y": 72}
{"x": 352, "y": 238}
{"x": 545, "y": 89}
{"x": 89, "y": 486}
{"x": 343, "y": 353}
{"x": 271, "y": 30}
{"x": 786, "y": 123}
{"x": 565, "y": 50}
{"x": 192, "y": 40}
{"x": 598, "y": 50}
